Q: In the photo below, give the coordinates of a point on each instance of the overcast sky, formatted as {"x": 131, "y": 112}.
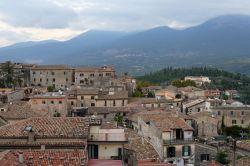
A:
{"x": 25, "y": 20}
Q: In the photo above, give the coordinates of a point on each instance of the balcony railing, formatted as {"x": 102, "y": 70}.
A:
{"x": 108, "y": 137}
{"x": 178, "y": 141}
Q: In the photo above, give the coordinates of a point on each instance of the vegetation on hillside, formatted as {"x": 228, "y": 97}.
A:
{"x": 220, "y": 79}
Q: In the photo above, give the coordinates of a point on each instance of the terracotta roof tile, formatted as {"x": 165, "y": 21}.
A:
{"x": 45, "y": 158}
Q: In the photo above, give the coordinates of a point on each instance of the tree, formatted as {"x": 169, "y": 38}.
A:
{"x": 178, "y": 96}
{"x": 8, "y": 74}
{"x": 50, "y": 88}
{"x": 222, "y": 157}
{"x": 223, "y": 126}
{"x": 119, "y": 119}
{"x": 151, "y": 94}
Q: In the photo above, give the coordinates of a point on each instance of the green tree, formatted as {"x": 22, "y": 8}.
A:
{"x": 151, "y": 94}
{"x": 119, "y": 119}
{"x": 223, "y": 126}
{"x": 50, "y": 88}
{"x": 7, "y": 73}
{"x": 222, "y": 157}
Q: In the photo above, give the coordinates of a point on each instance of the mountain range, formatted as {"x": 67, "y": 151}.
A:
{"x": 222, "y": 42}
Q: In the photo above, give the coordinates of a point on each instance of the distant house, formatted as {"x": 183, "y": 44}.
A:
{"x": 168, "y": 93}
{"x": 199, "y": 80}
{"x": 171, "y": 137}
{"x": 58, "y": 76}
{"x": 232, "y": 94}
{"x": 93, "y": 97}
{"x": 233, "y": 115}
{"x": 51, "y": 103}
{"x": 212, "y": 93}
{"x": 9, "y": 95}
{"x": 192, "y": 92}
{"x": 89, "y": 76}
{"x": 193, "y": 106}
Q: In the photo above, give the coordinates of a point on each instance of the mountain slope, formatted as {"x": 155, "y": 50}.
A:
{"x": 221, "y": 41}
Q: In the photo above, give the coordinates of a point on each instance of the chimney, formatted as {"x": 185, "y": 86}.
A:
{"x": 31, "y": 136}
{"x": 20, "y": 157}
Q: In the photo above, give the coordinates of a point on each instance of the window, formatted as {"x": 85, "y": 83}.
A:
{"x": 64, "y": 73}
{"x": 47, "y": 80}
{"x": 114, "y": 103}
{"x": 105, "y": 103}
{"x": 242, "y": 121}
{"x": 82, "y": 97}
{"x": 219, "y": 113}
{"x": 41, "y": 72}
{"x": 104, "y": 116}
{"x": 54, "y": 80}
{"x": 242, "y": 112}
{"x": 92, "y": 75}
{"x": 92, "y": 104}
{"x": 41, "y": 80}
{"x": 81, "y": 81}
{"x": 67, "y": 80}
{"x": 234, "y": 122}
{"x": 123, "y": 103}
{"x": 152, "y": 105}
{"x": 43, "y": 102}
{"x": 81, "y": 74}
{"x": 60, "y": 102}
{"x": 204, "y": 157}
{"x": 72, "y": 103}
{"x": 34, "y": 72}
{"x": 108, "y": 74}
{"x": 232, "y": 113}
{"x": 92, "y": 97}
{"x": 100, "y": 75}
{"x": 52, "y": 73}
{"x": 2, "y": 109}
{"x": 82, "y": 105}
{"x": 52, "y": 102}
{"x": 34, "y": 79}
{"x": 186, "y": 151}
{"x": 171, "y": 152}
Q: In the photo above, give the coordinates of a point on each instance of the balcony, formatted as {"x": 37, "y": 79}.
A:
{"x": 107, "y": 137}
{"x": 178, "y": 141}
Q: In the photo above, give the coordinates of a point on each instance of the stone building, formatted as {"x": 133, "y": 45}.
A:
{"x": 50, "y": 103}
{"x": 91, "y": 76}
{"x": 233, "y": 115}
{"x": 58, "y": 76}
{"x": 170, "y": 136}
{"x": 199, "y": 80}
{"x": 194, "y": 106}
{"x": 207, "y": 124}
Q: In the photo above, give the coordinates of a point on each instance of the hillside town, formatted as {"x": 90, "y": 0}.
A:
{"x": 78, "y": 116}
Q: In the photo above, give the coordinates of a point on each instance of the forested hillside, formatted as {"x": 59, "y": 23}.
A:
{"x": 221, "y": 79}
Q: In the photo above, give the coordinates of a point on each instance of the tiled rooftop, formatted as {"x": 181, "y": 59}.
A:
{"x": 19, "y": 110}
{"x": 164, "y": 120}
{"x": 47, "y": 127}
{"x": 45, "y": 158}
{"x": 144, "y": 151}
{"x": 50, "y": 67}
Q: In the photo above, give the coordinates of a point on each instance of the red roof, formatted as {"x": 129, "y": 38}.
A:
{"x": 97, "y": 162}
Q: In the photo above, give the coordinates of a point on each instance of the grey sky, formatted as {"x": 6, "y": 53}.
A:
{"x": 22, "y": 20}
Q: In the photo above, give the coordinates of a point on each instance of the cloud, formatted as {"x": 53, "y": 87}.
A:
{"x": 35, "y": 13}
